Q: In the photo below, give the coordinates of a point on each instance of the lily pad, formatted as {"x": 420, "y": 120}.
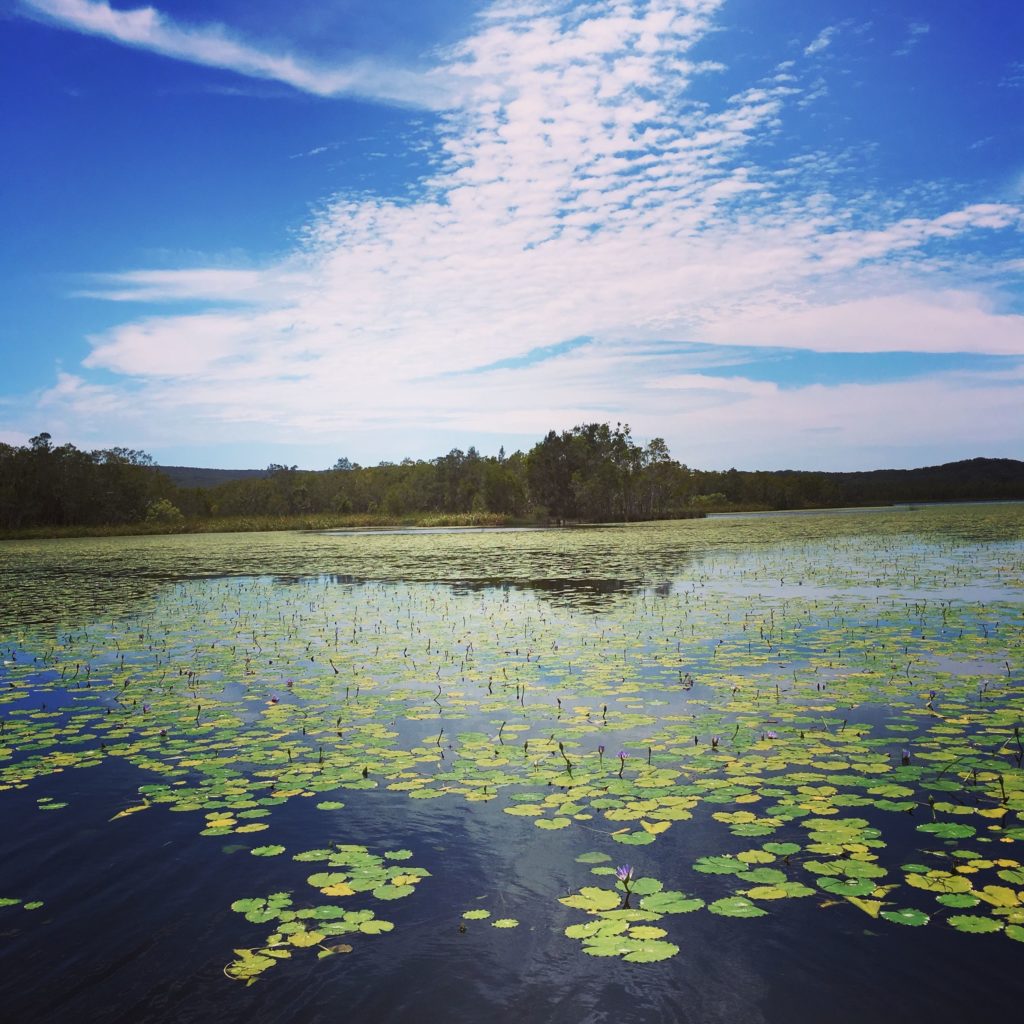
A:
{"x": 914, "y": 918}
{"x": 736, "y": 906}
{"x": 974, "y": 924}
{"x": 650, "y": 951}
{"x": 948, "y": 829}
{"x": 670, "y": 901}
{"x": 593, "y": 858}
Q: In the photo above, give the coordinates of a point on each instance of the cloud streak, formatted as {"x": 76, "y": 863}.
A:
{"x": 215, "y": 46}
{"x": 821, "y": 41}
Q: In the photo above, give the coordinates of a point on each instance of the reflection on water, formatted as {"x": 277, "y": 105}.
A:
{"x": 44, "y": 581}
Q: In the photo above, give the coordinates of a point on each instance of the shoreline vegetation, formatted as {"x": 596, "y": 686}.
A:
{"x": 594, "y": 473}
{"x": 269, "y": 524}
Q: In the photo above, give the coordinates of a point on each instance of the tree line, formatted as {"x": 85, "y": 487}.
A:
{"x": 594, "y": 473}
{"x": 42, "y": 484}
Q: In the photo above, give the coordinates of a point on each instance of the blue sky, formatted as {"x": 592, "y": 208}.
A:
{"x": 776, "y": 234}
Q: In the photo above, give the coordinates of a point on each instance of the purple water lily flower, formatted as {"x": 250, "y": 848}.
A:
{"x": 905, "y": 757}
{"x": 622, "y": 755}
{"x": 772, "y": 735}
{"x": 624, "y": 873}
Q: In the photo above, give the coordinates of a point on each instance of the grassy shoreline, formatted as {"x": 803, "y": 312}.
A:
{"x": 270, "y": 524}
{"x": 265, "y": 524}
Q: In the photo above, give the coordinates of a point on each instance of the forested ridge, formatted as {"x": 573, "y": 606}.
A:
{"x": 592, "y": 473}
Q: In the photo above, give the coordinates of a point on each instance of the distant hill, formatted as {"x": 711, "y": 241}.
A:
{"x": 192, "y": 476}
{"x": 969, "y": 479}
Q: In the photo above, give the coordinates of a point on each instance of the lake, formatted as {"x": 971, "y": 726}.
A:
{"x": 724, "y": 770}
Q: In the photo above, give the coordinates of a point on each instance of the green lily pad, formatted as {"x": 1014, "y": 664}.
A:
{"x": 375, "y": 927}
{"x": 736, "y": 906}
{"x": 720, "y": 866}
{"x": 393, "y": 892}
{"x": 974, "y": 924}
{"x": 592, "y": 898}
{"x": 914, "y": 918}
{"x": 591, "y": 929}
{"x": 651, "y": 951}
{"x": 958, "y": 900}
{"x": 608, "y": 946}
{"x": 645, "y": 886}
{"x": 846, "y": 886}
{"x": 246, "y": 905}
{"x": 782, "y": 849}
{"x": 669, "y": 901}
{"x": 948, "y": 829}
{"x": 634, "y": 838}
{"x": 764, "y": 876}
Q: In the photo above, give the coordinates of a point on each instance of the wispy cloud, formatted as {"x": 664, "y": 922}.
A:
{"x": 579, "y": 192}
{"x": 1013, "y": 78}
{"x": 822, "y": 41}
{"x": 916, "y": 31}
{"x": 315, "y": 151}
{"x": 203, "y": 284}
{"x": 216, "y": 46}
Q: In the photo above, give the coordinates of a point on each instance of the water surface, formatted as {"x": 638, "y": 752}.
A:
{"x": 818, "y": 714}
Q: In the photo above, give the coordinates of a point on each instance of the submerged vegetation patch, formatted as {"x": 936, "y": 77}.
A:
{"x": 772, "y": 714}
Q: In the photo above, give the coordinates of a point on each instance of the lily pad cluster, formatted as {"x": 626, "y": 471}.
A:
{"x": 352, "y": 870}
{"x": 622, "y": 920}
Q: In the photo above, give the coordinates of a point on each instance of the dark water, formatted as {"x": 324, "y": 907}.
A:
{"x": 136, "y": 929}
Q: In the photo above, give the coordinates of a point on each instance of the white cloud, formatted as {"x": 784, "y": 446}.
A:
{"x": 822, "y": 41}
{"x": 948, "y": 321}
{"x": 577, "y": 193}
{"x": 215, "y": 46}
